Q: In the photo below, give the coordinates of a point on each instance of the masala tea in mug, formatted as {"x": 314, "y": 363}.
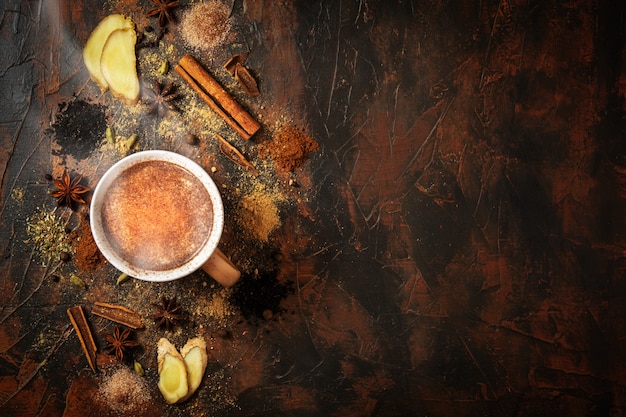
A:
{"x": 157, "y": 215}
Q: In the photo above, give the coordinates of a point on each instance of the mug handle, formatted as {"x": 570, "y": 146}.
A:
{"x": 221, "y": 269}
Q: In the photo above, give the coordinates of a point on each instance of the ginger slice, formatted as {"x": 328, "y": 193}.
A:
{"x": 194, "y": 354}
{"x": 92, "y": 52}
{"x": 173, "y": 381}
{"x": 118, "y": 64}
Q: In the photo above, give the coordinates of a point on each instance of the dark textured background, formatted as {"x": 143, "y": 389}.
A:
{"x": 463, "y": 250}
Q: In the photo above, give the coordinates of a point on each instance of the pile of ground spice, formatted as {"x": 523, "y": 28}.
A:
{"x": 215, "y": 306}
{"x": 124, "y": 391}
{"x": 87, "y": 255}
{"x": 258, "y": 214}
{"x": 289, "y": 148}
{"x": 206, "y": 25}
{"x": 46, "y": 232}
{"x": 79, "y": 128}
{"x": 219, "y": 307}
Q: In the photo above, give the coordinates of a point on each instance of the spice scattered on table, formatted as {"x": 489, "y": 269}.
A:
{"x": 46, "y": 232}
{"x": 124, "y": 391}
{"x": 219, "y": 307}
{"x": 87, "y": 256}
{"x": 79, "y": 128}
{"x": 77, "y": 281}
{"x": 289, "y": 148}
{"x": 69, "y": 191}
{"x": 160, "y": 98}
{"x": 206, "y": 25}
{"x": 138, "y": 368}
{"x": 191, "y": 139}
{"x": 258, "y": 213}
{"x": 235, "y": 155}
{"x": 122, "y": 278}
{"x": 232, "y": 62}
{"x": 169, "y": 313}
{"x": 246, "y": 80}
{"x": 119, "y": 343}
{"x": 118, "y": 314}
{"x": 81, "y": 327}
{"x": 163, "y": 10}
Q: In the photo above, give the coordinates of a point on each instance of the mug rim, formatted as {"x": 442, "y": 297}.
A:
{"x": 99, "y": 234}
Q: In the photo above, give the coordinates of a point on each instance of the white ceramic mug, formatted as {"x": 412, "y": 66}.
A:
{"x": 130, "y": 218}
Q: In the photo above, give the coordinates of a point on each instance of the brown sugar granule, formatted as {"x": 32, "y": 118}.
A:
{"x": 258, "y": 214}
{"x": 87, "y": 256}
{"x": 205, "y": 25}
{"x": 124, "y": 391}
{"x": 289, "y": 148}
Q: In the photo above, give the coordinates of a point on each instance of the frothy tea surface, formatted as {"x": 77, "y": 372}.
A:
{"x": 157, "y": 215}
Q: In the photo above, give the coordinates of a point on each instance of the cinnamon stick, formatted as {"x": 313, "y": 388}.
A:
{"x": 77, "y": 317}
{"x": 216, "y": 97}
{"x": 118, "y": 314}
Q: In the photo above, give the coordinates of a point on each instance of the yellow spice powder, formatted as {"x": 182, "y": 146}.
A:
{"x": 258, "y": 214}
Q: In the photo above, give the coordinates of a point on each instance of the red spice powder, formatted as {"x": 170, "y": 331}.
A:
{"x": 289, "y": 148}
{"x": 88, "y": 257}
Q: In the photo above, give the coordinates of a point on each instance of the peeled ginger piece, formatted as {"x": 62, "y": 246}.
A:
{"x": 118, "y": 64}
{"x": 92, "y": 52}
{"x": 173, "y": 382}
{"x": 194, "y": 354}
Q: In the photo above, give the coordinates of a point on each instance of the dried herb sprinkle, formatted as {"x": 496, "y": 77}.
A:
{"x": 46, "y": 232}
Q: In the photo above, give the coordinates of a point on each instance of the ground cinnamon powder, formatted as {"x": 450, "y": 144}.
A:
{"x": 87, "y": 256}
{"x": 289, "y": 148}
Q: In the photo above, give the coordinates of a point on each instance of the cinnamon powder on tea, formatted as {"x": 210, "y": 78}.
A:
{"x": 288, "y": 148}
{"x": 87, "y": 256}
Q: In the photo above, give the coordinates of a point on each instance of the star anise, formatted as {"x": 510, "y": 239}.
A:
{"x": 119, "y": 342}
{"x": 162, "y": 10}
{"x": 69, "y": 191}
{"x": 159, "y": 98}
{"x": 169, "y": 313}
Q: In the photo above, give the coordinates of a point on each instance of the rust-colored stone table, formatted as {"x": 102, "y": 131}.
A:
{"x": 454, "y": 247}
